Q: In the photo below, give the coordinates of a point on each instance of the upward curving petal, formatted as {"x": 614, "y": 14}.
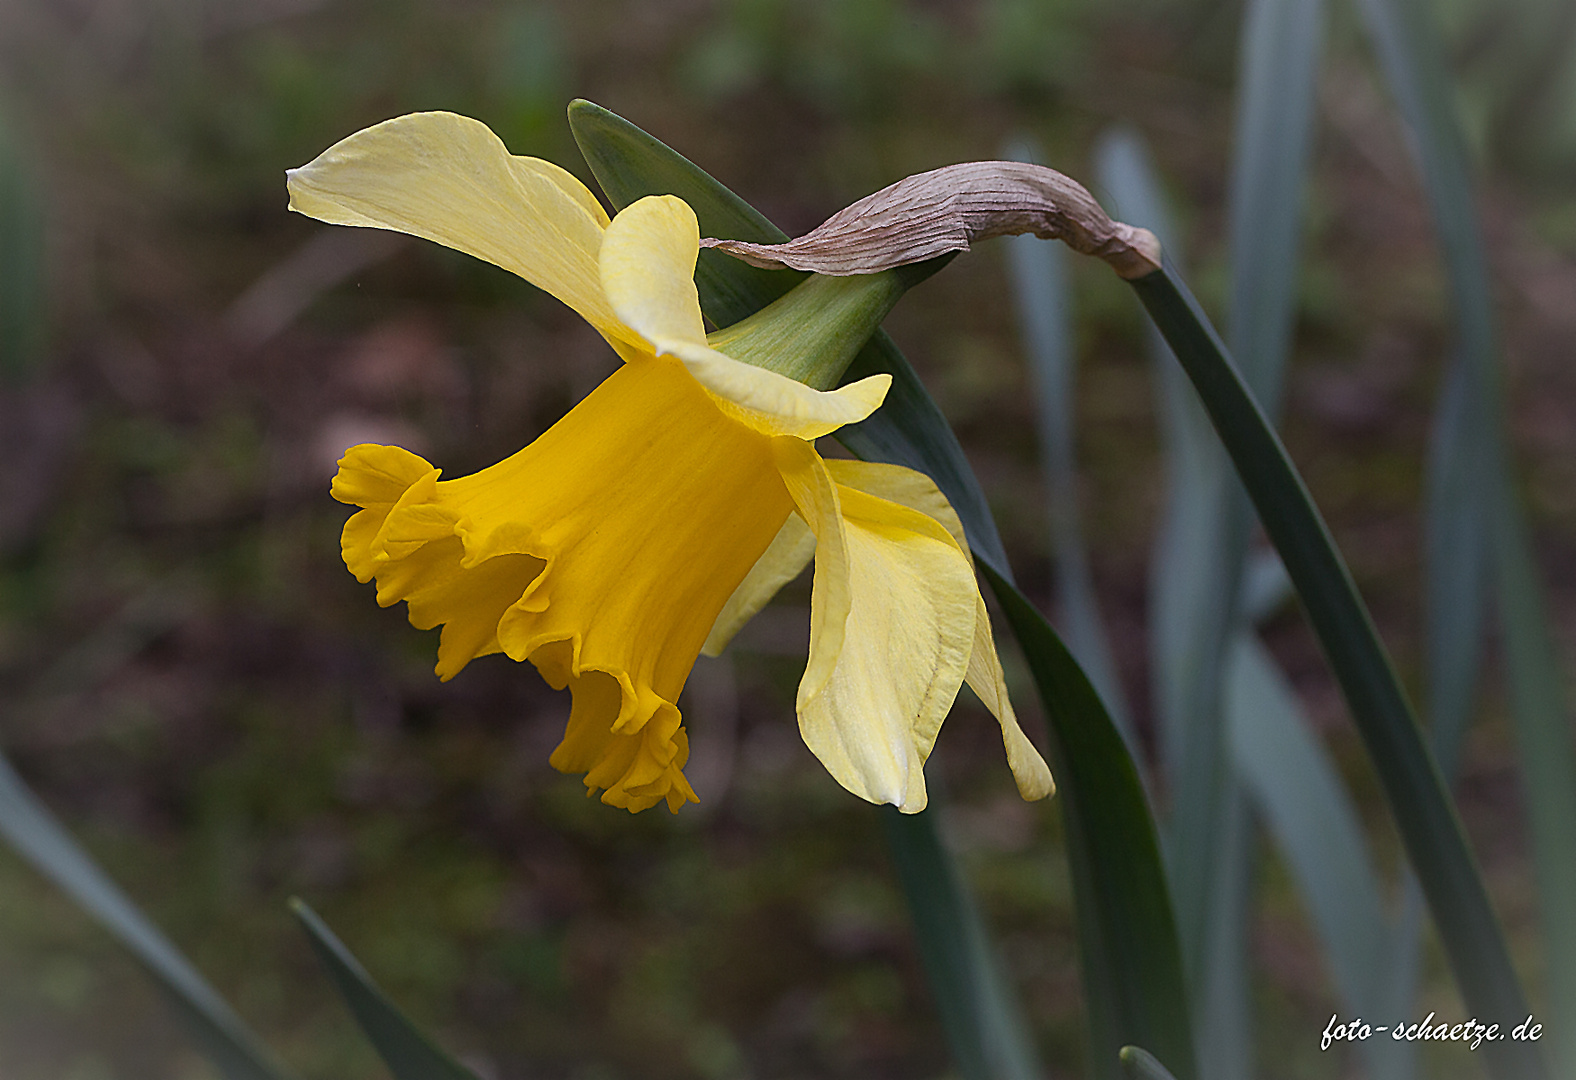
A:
{"x": 648, "y": 274}
{"x": 449, "y": 179}
{"x": 648, "y": 269}
{"x": 919, "y": 492}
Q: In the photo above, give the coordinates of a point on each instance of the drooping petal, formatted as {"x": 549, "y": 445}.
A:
{"x": 919, "y": 492}
{"x": 449, "y": 179}
{"x": 906, "y": 647}
{"x": 789, "y": 553}
{"x": 602, "y": 553}
{"x": 815, "y": 497}
{"x": 648, "y": 273}
{"x": 774, "y": 404}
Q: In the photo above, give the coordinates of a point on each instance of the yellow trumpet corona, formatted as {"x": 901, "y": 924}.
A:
{"x": 666, "y": 508}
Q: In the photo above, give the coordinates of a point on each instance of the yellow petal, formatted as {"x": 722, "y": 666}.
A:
{"x": 377, "y": 478}
{"x": 905, "y": 650}
{"x": 917, "y": 491}
{"x": 449, "y": 179}
{"x": 815, "y": 497}
{"x": 648, "y": 273}
{"x": 905, "y": 486}
{"x": 648, "y": 270}
{"x": 602, "y": 553}
{"x": 774, "y": 404}
{"x": 639, "y": 769}
{"x": 789, "y": 553}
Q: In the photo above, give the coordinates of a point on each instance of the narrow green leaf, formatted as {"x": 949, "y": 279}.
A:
{"x": 1223, "y": 1022}
{"x": 1195, "y": 580}
{"x": 1282, "y": 41}
{"x": 1435, "y": 841}
{"x": 1281, "y": 44}
{"x": 1181, "y": 592}
{"x": 983, "y": 1023}
{"x": 1132, "y": 969}
{"x": 1037, "y": 270}
{"x": 908, "y": 430}
{"x": 1456, "y": 563}
{"x": 1456, "y": 537}
{"x": 1413, "y": 58}
{"x": 1190, "y": 590}
{"x": 1312, "y": 817}
{"x": 22, "y": 275}
{"x": 409, "y": 1054}
{"x": 214, "y": 1028}
{"x": 1466, "y": 454}
{"x": 1548, "y": 773}
{"x": 1285, "y": 769}
{"x": 1140, "y": 1064}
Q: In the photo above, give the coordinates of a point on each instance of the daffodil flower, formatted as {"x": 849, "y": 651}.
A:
{"x": 666, "y": 508}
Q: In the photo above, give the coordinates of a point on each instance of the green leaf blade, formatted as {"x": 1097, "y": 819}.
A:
{"x": 35, "y": 834}
{"x": 1126, "y": 931}
{"x": 1037, "y": 271}
{"x": 983, "y": 1023}
{"x": 1140, "y": 1064}
{"x": 23, "y": 310}
{"x": 409, "y": 1054}
{"x": 1310, "y": 813}
{"x": 1429, "y": 826}
{"x": 1475, "y": 469}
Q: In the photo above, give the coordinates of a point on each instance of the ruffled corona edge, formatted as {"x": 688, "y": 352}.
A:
{"x": 630, "y": 744}
{"x": 601, "y": 553}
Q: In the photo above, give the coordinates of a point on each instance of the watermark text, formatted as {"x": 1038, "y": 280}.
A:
{"x": 1473, "y": 1033}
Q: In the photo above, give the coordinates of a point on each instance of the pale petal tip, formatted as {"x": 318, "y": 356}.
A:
{"x": 1030, "y": 772}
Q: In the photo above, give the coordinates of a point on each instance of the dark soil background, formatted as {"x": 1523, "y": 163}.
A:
{"x": 192, "y": 681}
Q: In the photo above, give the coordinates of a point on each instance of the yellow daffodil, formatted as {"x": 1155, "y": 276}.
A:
{"x": 666, "y": 508}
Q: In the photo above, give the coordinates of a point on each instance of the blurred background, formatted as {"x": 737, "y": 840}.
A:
{"x": 189, "y": 677}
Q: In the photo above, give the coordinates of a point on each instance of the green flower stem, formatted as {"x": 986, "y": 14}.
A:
{"x": 1429, "y": 826}
{"x": 812, "y": 333}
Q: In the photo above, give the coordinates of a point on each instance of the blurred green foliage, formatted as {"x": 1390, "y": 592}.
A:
{"x": 189, "y": 677}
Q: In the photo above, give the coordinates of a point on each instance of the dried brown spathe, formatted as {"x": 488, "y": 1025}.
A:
{"x": 947, "y": 209}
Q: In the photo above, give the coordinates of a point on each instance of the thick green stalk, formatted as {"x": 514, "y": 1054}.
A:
{"x": 813, "y": 332}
